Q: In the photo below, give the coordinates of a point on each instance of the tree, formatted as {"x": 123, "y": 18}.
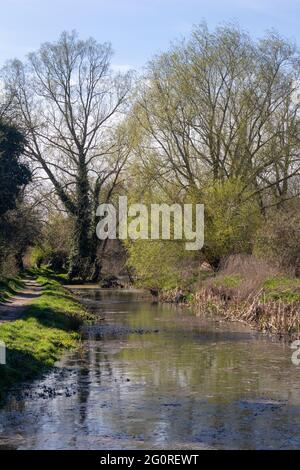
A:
{"x": 216, "y": 121}
{"x": 13, "y": 173}
{"x": 221, "y": 106}
{"x": 69, "y": 104}
{"x": 17, "y": 229}
{"x": 52, "y": 247}
{"x": 278, "y": 240}
{"x": 20, "y": 228}
{"x": 230, "y": 223}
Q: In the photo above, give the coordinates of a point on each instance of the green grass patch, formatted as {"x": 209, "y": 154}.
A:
{"x": 35, "y": 342}
{"x": 9, "y": 287}
{"x": 282, "y": 288}
{"x": 62, "y": 278}
{"x": 228, "y": 281}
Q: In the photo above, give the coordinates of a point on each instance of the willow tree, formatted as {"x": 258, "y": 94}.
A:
{"x": 221, "y": 106}
{"x": 69, "y": 103}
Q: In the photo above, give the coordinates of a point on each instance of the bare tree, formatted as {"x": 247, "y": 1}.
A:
{"x": 70, "y": 104}
{"x": 222, "y": 106}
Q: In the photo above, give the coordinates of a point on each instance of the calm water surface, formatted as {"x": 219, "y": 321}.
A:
{"x": 158, "y": 376}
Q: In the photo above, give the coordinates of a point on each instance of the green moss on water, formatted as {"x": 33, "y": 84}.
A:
{"x": 35, "y": 342}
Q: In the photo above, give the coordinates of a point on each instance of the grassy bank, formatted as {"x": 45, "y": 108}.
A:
{"x": 248, "y": 291}
{"x": 271, "y": 306}
{"x": 48, "y": 327}
{"x": 9, "y": 287}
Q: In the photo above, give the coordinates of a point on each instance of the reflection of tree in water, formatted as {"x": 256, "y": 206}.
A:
{"x": 192, "y": 382}
{"x": 188, "y": 365}
{"x": 83, "y": 383}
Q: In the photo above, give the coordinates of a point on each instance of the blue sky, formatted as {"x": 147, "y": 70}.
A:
{"x": 137, "y": 29}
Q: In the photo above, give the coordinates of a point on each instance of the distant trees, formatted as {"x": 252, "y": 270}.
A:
{"x": 69, "y": 104}
{"x": 20, "y": 229}
{"x": 53, "y": 246}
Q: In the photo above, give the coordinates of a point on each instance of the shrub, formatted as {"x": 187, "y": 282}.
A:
{"x": 278, "y": 240}
{"x": 230, "y": 223}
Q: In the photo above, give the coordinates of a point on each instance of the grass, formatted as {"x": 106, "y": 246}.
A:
{"x": 231, "y": 281}
{"x": 61, "y": 278}
{"x": 48, "y": 327}
{"x": 272, "y": 303}
{"x": 9, "y": 287}
{"x": 281, "y": 288}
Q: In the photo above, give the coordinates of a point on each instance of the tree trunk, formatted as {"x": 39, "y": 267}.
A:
{"x": 81, "y": 249}
{"x": 19, "y": 261}
{"x": 96, "y": 255}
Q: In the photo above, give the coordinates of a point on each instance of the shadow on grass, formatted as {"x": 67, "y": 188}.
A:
{"x": 48, "y": 328}
{"x": 61, "y": 277}
{"x": 53, "y": 318}
{"x": 9, "y": 287}
{"x": 34, "y": 344}
{"x": 61, "y": 295}
{"x": 20, "y": 367}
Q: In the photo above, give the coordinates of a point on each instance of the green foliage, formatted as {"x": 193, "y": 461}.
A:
{"x": 204, "y": 132}
{"x": 37, "y": 256}
{"x": 13, "y": 174}
{"x": 20, "y": 229}
{"x": 202, "y": 110}
{"x": 161, "y": 264}
{"x": 285, "y": 289}
{"x": 155, "y": 262}
{"x": 54, "y": 246}
{"x": 228, "y": 281}
{"x": 279, "y": 238}
{"x": 15, "y": 227}
{"x": 230, "y": 223}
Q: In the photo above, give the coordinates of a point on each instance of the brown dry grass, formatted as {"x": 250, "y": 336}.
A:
{"x": 245, "y": 301}
{"x": 275, "y": 317}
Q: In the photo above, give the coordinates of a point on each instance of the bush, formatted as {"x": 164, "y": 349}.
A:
{"x": 278, "y": 240}
{"x": 163, "y": 264}
{"x": 55, "y": 246}
{"x": 230, "y": 223}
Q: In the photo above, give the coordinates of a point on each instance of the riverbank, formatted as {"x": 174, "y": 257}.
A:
{"x": 249, "y": 293}
{"x": 274, "y": 308}
{"x": 48, "y": 327}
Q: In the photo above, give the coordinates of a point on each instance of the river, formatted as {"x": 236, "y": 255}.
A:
{"x": 157, "y": 376}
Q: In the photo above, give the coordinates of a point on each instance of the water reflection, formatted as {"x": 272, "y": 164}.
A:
{"x": 165, "y": 379}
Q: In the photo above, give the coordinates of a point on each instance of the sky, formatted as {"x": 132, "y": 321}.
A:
{"x": 137, "y": 29}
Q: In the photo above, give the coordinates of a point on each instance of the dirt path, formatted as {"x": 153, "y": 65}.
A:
{"x": 16, "y": 305}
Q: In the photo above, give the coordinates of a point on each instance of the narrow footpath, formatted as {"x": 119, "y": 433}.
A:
{"x": 14, "y": 308}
